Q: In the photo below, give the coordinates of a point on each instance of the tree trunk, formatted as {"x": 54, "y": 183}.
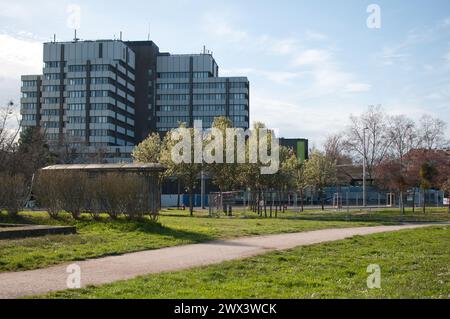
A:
{"x": 265, "y": 206}
{"x": 322, "y": 200}
{"x": 414, "y": 201}
{"x": 191, "y": 202}
{"x": 272, "y": 202}
{"x": 179, "y": 191}
{"x": 301, "y": 200}
{"x": 424, "y": 199}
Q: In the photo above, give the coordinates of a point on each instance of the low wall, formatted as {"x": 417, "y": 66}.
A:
{"x": 14, "y": 231}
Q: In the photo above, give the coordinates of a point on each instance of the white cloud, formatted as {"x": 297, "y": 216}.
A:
{"x": 315, "y": 36}
{"x": 14, "y": 10}
{"x": 312, "y": 57}
{"x": 357, "y": 87}
{"x": 219, "y": 26}
{"x": 326, "y": 75}
{"x": 17, "y": 57}
{"x": 283, "y": 46}
{"x": 280, "y": 77}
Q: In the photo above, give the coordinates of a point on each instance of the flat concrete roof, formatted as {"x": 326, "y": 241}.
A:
{"x": 134, "y": 167}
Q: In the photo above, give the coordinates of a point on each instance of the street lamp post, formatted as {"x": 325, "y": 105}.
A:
{"x": 364, "y": 166}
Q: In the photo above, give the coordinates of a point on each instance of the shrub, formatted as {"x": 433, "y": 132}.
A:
{"x": 47, "y": 189}
{"x": 74, "y": 193}
{"x": 14, "y": 191}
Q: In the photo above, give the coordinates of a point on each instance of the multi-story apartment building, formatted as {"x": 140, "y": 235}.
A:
{"x": 189, "y": 88}
{"x": 106, "y": 96}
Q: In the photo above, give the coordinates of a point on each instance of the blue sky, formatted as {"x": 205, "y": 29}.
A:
{"x": 311, "y": 63}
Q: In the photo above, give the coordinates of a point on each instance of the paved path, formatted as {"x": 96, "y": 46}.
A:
{"x": 108, "y": 269}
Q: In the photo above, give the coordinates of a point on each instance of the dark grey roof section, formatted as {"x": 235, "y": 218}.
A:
{"x": 136, "y": 167}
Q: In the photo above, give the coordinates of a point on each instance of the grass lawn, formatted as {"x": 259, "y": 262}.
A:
{"x": 107, "y": 237}
{"x": 381, "y": 215}
{"x": 414, "y": 264}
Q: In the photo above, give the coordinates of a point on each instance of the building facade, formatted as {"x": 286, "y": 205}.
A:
{"x": 189, "y": 88}
{"x": 101, "y": 98}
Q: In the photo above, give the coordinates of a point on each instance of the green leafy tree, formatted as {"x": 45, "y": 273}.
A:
{"x": 320, "y": 172}
{"x": 188, "y": 173}
{"x": 149, "y": 150}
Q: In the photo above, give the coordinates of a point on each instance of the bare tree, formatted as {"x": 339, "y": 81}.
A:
{"x": 403, "y": 135}
{"x": 368, "y": 137}
{"x": 9, "y": 133}
{"x": 432, "y": 132}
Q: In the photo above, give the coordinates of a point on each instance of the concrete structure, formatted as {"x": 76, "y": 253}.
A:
{"x": 106, "y": 96}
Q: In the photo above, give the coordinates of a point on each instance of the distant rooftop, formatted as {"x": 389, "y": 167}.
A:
{"x": 137, "y": 167}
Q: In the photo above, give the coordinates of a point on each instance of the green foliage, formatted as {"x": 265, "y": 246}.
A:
{"x": 149, "y": 151}
{"x": 320, "y": 172}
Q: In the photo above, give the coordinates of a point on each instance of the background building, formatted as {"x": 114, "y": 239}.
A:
{"x": 97, "y": 99}
{"x": 298, "y": 145}
{"x": 189, "y": 88}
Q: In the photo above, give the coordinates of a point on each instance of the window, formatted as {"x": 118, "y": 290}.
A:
{"x": 50, "y": 124}
{"x": 238, "y": 118}
{"x": 202, "y": 97}
{"x": 50, "y": 112}
{"x": 100, "y": 93}
{"x": 29, "y": 83}
{"x": 54, "y": 64}
{"x": 173, "y": 75}
{"x": 51, "y": 100}
{"x": 201, "y": 75}
{"x": 29, "y": 117}
{"x": 173, "y": 97}
{"x": 77, "y": 94}
{"x": 77, "y": 106}
{"x": 101, "y": 67}
{"x": 100, "y": 81}
{"x": 98, "y": 132}
{"x": 238, "y": 85}
{"x": 173, "y": 86}
{"x": 28, "y": 106}
{"x": 50, "y": 88}
{"x": 209, "y": 86}
{"x": 77, "y": 120}
{"x": 77, "y": 133}
{"x": 52, "y": 76}
{"x": 237, "y": 96}
{"x": 173, "y": 119}
{"x": 26, "y": 95}
{"x": 237, "y": 107}
{"x": 77, "y": 81}
{"x": 77, "y": 68}
{"x": 209, "y": 108}
{"x": 173, "y": 108}
{"x": 99, "y": 119}
{"x": 99, "y": 106}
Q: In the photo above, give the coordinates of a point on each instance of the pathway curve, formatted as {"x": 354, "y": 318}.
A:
{"x": 109, "y": 269}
